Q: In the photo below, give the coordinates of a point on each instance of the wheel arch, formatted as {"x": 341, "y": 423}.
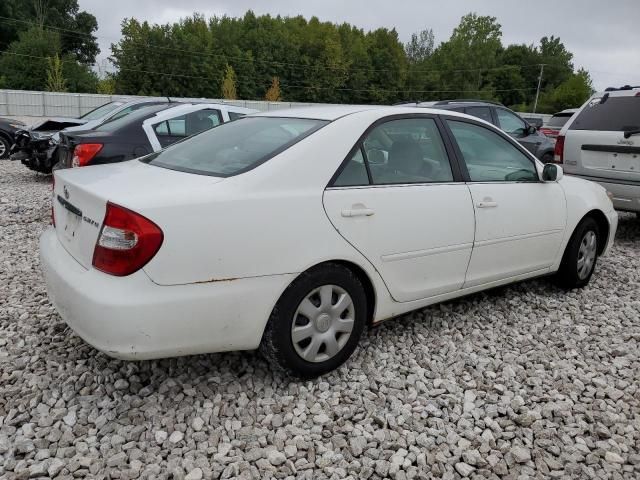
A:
{"x": 603, "y": 224}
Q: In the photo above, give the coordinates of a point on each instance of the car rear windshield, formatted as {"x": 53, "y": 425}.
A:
{"x": 101, "y": 111}
{"x": 235, "y": 147}
{"x": 559, "y": 119}
{"x": 616, "y": 114}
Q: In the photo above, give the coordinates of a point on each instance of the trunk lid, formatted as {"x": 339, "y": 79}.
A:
{"x": 81, "y": 194}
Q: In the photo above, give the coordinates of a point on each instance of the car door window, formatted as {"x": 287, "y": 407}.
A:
{"x": 354, "y": 173}
{"x": 510, "y": 123}
{"x": 177, "y": 128}
{"x": 235, "y": 116}
{"x": 489, "y": 157}
{"x": 481, "y": 112}
{"x": 407, "y": 151}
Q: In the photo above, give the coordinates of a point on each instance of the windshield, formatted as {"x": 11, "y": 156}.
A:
{"x": 101, "y": 111}
{"x": 235, "y": 147}
{"x": 616, "y": 114}
{"x": 136, "y": 116}
{"x": 559, "y": 119}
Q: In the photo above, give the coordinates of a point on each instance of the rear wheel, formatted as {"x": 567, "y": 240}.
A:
{"x": 316, "y": 325}
{"x": 4, "y": 148}
{"x": 580, "y": 256}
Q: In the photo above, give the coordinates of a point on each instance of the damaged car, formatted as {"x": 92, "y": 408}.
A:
{"x": 37, "y": 146}
{"x": 8, "y": 129}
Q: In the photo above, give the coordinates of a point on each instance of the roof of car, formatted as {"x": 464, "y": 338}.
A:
{"x": 323, "y": 112}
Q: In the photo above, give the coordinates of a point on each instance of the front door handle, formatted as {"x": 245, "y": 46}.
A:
{"x": 357, "y": 212}
{"x": 487, "y": 204}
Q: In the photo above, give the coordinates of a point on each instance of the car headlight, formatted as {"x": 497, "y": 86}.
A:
{"x": 19, "y": 126}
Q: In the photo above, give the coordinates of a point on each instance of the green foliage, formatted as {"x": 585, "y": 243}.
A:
{"x": 55, "y": 76}
{"x": 571, "y": 93}
{"x": 107, "y": 85}
{"x": 319, "y": 61}
{"x": 75, "y": 27}
{"x": 229, "y": 84}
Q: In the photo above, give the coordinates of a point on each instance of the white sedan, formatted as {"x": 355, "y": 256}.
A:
{"x": 293, "y": 230}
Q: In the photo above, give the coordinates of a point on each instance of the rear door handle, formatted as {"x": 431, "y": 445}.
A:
{"x": 357, "y": 212}
{"x": 485, "y": 204}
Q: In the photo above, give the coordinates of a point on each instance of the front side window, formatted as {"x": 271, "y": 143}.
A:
{"x": 489, "y": 157}
{"x": 235, "y": 147}
{"x": 407, "y": 151}
{"x": 510, "y": 123}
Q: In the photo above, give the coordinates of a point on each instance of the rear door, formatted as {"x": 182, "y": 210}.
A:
{"x": 595, "y": 146}
{"x": 177, "y": 124}
{"x": 400, "y": 201}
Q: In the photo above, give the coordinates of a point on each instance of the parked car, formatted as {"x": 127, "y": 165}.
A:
{"x": 143, "y": 132}
{"x": 552, "y": 128}
{"x": 601, "y": 143}
{"x": 534, "y": 121}
{"x": 503, "y": 118}
{"x": 37, "y": 146}
{"x": 8, "y": 129}
{"x": 292, "y": 230}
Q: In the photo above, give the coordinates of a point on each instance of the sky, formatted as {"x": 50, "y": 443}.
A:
{"x": 604, "y": 40}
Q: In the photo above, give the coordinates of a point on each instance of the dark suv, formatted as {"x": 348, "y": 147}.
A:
{"x": 507, "y": 120}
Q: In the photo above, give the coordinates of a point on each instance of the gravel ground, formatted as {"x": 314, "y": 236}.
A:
{"x": 525, "y": 381}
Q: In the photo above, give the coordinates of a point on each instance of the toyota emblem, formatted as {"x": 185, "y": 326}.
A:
{"x": 66, "y": 192}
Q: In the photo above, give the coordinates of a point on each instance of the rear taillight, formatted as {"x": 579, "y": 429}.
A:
{"x": 53, "y": 199}
{"x": 558, "y": 153}
{"x": 126, "y": 243}
{"x": 84, "y": 153}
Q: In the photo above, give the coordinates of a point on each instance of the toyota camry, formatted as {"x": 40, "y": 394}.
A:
{"x": 291, "y": 231}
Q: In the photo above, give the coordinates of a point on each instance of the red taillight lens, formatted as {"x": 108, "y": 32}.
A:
{"x": 558, "y": 153}
{"x": 126, "y": 243}
{"x": 84, "y": 152}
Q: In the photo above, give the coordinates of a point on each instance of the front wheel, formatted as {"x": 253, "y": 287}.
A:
{"x": 580, "y": 256}
{"x": 4, "y": 148}
{"x": 316, "y": 325}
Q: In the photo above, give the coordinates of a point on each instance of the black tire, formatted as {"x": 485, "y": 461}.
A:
{"x": 568, "y": 275}
{"x": 4, "y": 148}
{"x": 547, "y": 158}
{"x": 277, "y": 345}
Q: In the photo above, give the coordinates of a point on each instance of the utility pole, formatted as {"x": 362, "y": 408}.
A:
{"x": 535, "y": 105}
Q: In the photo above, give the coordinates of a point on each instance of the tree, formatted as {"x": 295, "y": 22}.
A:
{"x": 75, "y": 27}
{"x": 420, "y": 47}
{"x": 571, "y": 93}
{"x": 273, "y": 94}
{"x": 229, "y": 84}
{"x": 107, "y": 85}
{"x": 55, "y": 76}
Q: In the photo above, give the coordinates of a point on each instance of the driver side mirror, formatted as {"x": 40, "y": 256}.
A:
{"x": 552, "y": 173}
{"x": 531, "y": 129}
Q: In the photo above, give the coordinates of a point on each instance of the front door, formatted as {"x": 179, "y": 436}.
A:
{"x": 398, "y": 202}
{"x": 520, "y": 220}
{"x": 518, "y": 129}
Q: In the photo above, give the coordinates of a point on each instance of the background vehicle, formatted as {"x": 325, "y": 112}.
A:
{"x": 8, "y": 129}
{"x": 552, "y": 128}
{"x": 37, "y": 146}
{"x": 143, "y": 132}
{"x": 601, "y": 143}
{"x": 503, "y": 118}
{"x": 534, "y": 121}
{"x": 274, "y": 230}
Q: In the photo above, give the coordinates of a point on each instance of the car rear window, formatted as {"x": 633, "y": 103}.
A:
{"x": 616, "y": 114}
{"x": 559, "y": 119}
{"x": 235, "y": 147}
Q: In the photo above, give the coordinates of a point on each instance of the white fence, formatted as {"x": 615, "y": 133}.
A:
{"x": 22, "y": 105}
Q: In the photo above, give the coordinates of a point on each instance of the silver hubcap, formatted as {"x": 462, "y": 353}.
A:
{"x": 323, "y": 323}
{"x": 587, "y": 254}
{"x": 3, "y": 149}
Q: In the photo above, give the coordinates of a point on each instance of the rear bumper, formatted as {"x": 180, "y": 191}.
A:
{"x": 626, "y": 196}
{"x": 133, "y": 318}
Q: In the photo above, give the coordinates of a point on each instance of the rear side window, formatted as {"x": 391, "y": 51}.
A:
{"x": 235, "y": 147}
{"x": 616, "y": 114}
{"x": 235, "y": 116}
{"x": 481, "y": 112}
